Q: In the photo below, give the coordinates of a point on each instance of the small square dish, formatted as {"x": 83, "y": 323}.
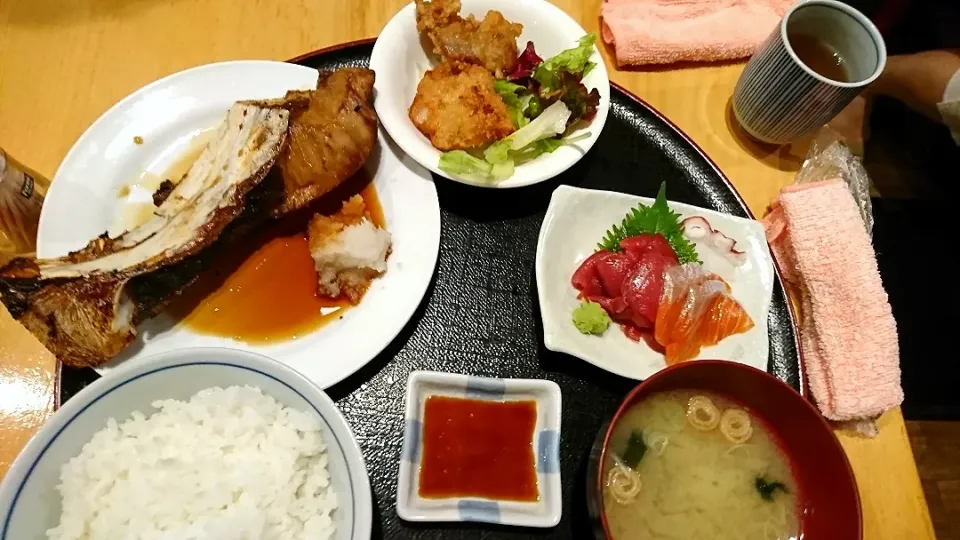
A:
{"x": 456, "y": 466}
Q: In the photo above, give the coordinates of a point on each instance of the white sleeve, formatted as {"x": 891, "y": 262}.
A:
{"x": 950, "y": 106}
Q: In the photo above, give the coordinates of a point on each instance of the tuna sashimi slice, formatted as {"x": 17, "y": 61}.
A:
{"x": 645, "y": 243}
{"x": 585, "y": 278}
{"x": 616, "y": 307}
{"x": 643, "y": 285}
{"x": 613, "y": 269}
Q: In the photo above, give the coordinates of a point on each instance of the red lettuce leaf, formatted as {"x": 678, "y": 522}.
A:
{"x": 526, "y": 63}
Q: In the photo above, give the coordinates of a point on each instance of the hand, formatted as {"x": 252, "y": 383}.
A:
{"x": 853, "y": 124}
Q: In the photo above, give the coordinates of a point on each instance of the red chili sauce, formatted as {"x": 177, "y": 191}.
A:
{"x": 478, "y": 448}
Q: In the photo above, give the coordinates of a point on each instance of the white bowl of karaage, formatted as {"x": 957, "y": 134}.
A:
{"x": 461, "y": 90}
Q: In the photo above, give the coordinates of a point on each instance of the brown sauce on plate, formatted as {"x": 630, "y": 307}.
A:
{"x": 478, "y": 448}
{"x": 133, "y": 214}
{"x": 267, "y": 290}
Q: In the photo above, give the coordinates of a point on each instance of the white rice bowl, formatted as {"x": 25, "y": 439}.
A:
{"x": 150, "y": 451}
{"x": 230, "y": 464}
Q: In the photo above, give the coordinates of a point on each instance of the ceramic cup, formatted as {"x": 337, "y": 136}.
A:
{"x": 779, "y": 99}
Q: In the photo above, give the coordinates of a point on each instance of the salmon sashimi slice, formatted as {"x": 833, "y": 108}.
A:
{"x": 681, "y": 351}
{"x": 726, "y": 317}
{"x": 677, "y": 303}
{"x": 696, "y": 310}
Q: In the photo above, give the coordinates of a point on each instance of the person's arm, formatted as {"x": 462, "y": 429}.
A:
{"x": 918, "y": 80}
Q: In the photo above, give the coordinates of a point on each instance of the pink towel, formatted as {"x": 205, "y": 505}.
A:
{"x": 848, "y": 334}
{"x": 667, "y": 31}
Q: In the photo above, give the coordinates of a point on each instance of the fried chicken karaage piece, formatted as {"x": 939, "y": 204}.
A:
{"x": 491, "y": 43}
{"x": 457, "y": 108}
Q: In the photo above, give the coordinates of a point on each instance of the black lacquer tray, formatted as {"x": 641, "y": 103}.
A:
{"x": 480, "y": 315}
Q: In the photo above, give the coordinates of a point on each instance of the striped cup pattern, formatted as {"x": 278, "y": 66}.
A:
{"x": 778, "y": 99}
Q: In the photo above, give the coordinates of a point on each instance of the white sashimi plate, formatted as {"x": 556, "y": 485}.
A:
{"x": 577, "y": 220}
{"x": 167, "y": 117}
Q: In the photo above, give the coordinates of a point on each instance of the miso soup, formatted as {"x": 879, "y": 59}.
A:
{"x": 694, "y": 465}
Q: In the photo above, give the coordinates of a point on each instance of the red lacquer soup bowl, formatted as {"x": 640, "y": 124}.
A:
{"x": 827, "y": 490}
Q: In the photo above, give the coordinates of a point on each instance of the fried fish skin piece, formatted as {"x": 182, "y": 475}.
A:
{"x": 330, "y": 139}
{"x": 457, "y": 108}
{"x": 491, "y": 42}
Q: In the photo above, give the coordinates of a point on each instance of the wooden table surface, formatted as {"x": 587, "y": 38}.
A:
{"x": 63, "y": 63}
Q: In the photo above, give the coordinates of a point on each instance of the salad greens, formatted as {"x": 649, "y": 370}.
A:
{"x": 522, "y": 145}
{"x": 544, "y": 99}
{"x": 467, "y": 166}
{"x": 658, "y": 218}
{"x": 521, "y": 107}
{"x": 540, "y": 83}
{"x": 571, "y": 61}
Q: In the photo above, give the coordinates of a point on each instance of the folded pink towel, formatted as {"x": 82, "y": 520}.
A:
{"x": 848, "y": 334}
{"x": 667, "y": 31}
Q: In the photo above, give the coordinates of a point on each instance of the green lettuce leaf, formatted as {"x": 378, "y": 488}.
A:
{"x": 497, "y": 152}
{"x": 538, "y": 148}
{"x": 540, "y": 136}
{"x": 507, "y": 90}
{"x": 550, "y": 123}
{"x": 462, "y": 164}
{"x": 521, "y": 103}
{"x": 575, "y": 61}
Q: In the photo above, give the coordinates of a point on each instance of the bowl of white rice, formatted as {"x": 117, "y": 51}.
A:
{"x": 196, "y": 444}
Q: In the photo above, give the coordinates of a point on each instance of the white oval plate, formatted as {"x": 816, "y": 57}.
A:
{"x": 167, "y": 114}
{"x": 578, "y": 218}
{"x": 400, "y": 62}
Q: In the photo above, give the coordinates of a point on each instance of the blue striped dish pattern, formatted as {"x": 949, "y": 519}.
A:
{"x": 777, "y": 100}
{"x": 546, "y": 447}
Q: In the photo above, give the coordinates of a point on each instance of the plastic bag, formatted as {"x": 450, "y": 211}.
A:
{"x": 828, "y": 157}
{"x": 21, "y": 197}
